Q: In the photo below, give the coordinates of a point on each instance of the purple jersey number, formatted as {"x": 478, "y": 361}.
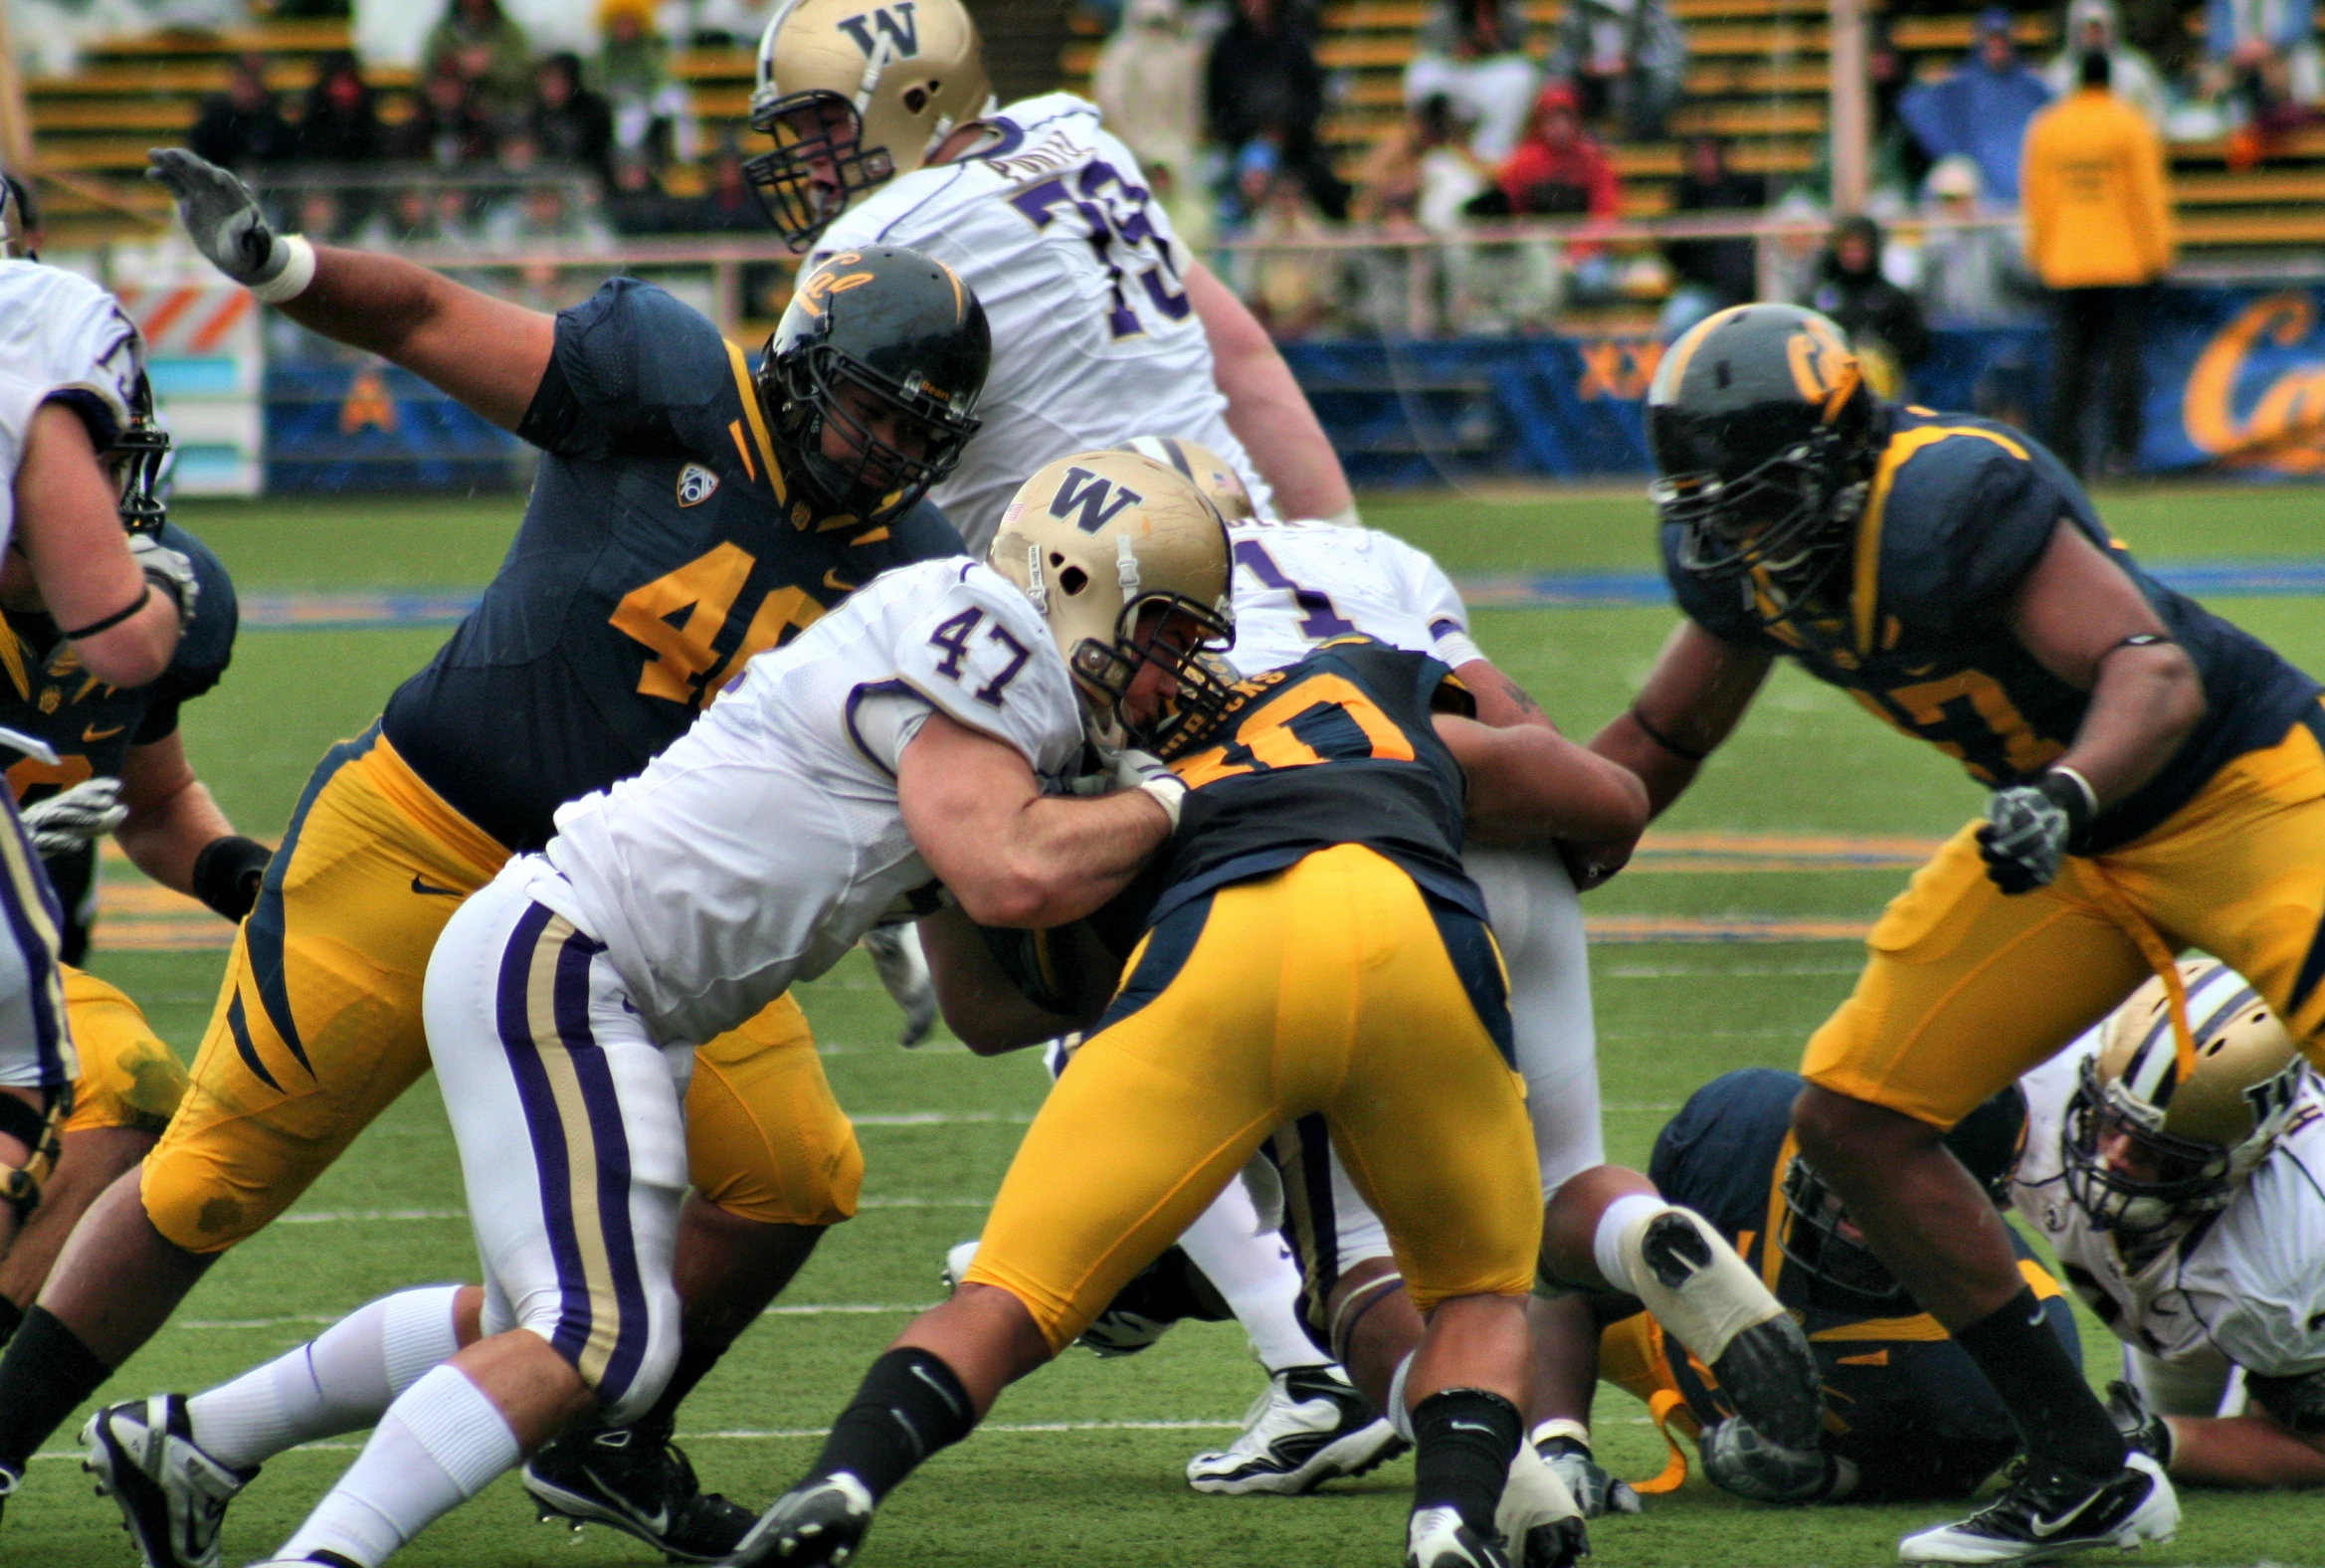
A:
{"x": 1320, "y": 618}
{"x": 1120, "y": 231}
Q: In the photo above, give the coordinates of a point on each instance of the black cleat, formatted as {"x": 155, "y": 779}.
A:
{"x": 816, "y": 1524}
{"x": 2044, "y": 1517}
{"x": 640, "y": 1482}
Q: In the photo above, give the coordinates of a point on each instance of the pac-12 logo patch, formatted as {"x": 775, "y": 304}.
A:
{"x": 695, "y": 484}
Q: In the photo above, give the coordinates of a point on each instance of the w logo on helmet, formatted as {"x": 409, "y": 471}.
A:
{"x": 895, "y": 23}
{"x": 1823, "y": 370}
{"x": 1099, "y": 501}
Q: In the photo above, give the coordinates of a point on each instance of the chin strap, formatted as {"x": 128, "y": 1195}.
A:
{"x": 20, "y": 1185}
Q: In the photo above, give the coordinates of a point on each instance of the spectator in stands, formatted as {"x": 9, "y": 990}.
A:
{"x": 1560, "y": 171}
{"x": 241, "y": 127}
{"x": 570, "y": 123}
{"x": 636, "y": 204}
{"x": 727, "y": 206}
{"x": 547, "y": 214}
{"x": 1713, "y": 274}
{"x": 1969, "y": 277}
{"x": 1473, "y": 51}
{"x": 1289, "y": 282}
{"x": 2099, "y": 233}
{"x": 1980, "y": 110}
{"x": 449, "y": 126}
{"x": 652, "y": 108}
{"x": 1388, "y": 181}
{"x": 1148, "y": 83}
{"x": 1880, "y": 319}
{"x": 1627, "y": 58}
{"x": 2097, "y": 24}
{"x": 341, "y": 123}
{"x": 321, "y": 215}
{"x": 489, "y": 49}
{"x": 2262, "y": 60}
{"x": 1264, "y": 84}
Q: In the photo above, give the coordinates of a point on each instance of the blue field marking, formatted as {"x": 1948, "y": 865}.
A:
{"x": 359, "y": 610}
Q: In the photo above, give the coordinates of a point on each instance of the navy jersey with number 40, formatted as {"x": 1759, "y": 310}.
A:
{"x": 1960, "y": 510}
{"x": 660, "y": 549}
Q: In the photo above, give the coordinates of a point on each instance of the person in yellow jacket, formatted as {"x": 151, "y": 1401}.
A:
{"x": 2100, "y": 234}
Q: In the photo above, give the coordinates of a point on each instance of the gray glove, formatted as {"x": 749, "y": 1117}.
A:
{"x": 72, "y": 818}
{"x": 1740, "y": 1461}
{"x": 904, "y": 971}
{"x": 1596, "y": 1492}
{"x": 171, "y": 571}
{"x": 1131, "y": 768}
{"x": 2029, "y": 828}
{"x": 222, "y": 215}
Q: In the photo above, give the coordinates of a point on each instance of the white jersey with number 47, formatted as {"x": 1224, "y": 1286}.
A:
{"x": 762, "y": 843}
{"x": 62, "y": 340}
{"x": 1083, "y": 281}
{"x": 1297, "y": 584}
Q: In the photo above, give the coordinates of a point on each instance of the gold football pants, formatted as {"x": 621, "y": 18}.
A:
{"x": 1333, "y": 988}
{"x": 317, "y": 1027}
{"x": 1966, "y": 987}
{"x": 128, "y": 1078}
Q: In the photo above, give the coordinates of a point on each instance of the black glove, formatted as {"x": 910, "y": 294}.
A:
{"x": 2031, "y": 827}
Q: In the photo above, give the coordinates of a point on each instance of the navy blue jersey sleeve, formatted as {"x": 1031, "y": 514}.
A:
{"x": 922, "y": 533}
{"x": 1718, "y": 1156}
{"x": 208, "y": 646}
{"x": 1982, "y": 510}
{"x": 634, "y": 371}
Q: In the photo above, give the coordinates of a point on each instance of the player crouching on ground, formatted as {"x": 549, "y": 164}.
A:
{"x": 911, "y": 736}
{"x": 1311, "y": 949}
{"x": 119, "y": 769}
{"x": 1912, "y": 1416}
{"x": 2188, "y": 1210}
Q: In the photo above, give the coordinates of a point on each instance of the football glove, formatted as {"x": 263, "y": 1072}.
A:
{"x": 1596, "y": 1492}
{"x": 1131, "y": 768}
{"x": 2031, "y": 827}
{"x": 1740, "y": 1461}
{"x": 2141, "y": 1427}
{"x": 72, "y": 818}
{"x": 171, "y": 571}
{"x": 903, "y": 973}
{"x": 222, "y": 216}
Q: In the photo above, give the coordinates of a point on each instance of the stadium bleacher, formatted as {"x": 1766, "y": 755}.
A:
{"x": 1758, "y": 74}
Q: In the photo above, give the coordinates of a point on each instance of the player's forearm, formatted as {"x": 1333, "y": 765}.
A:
{"x": 1266, "y": 408}
{"x": 1693, "y": 700}
{"x": 2241, "y": 1450}
{"x": 1500, "y": 700}
{"x": 980, "y": 1003}
{"x": 2146, "y": 702}
{"x": 486, "y": 352}
{"x": 164, "y": 839}
{"x": 1056, "y": 858}
{"x": 1529, "y": 786}
{"x": 1664, "y": 773}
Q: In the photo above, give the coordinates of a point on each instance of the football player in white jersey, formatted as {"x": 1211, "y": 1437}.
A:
{"x": 72, "y": 378}
{"x": 922, "y": 734}
{"x": 1104, "y": 323}
{"x": 1297, "y": 585}
{"x": 2186, "y": 1205}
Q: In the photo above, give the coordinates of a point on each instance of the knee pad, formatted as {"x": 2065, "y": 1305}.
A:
{"x": 41, "y": 1132}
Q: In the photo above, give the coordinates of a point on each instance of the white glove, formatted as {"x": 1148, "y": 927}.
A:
{"x": 171, "y": 571}
{"x": 81, "y": 815}
{"x": 897, "y": 960}
{"x": 1131, "y": 768}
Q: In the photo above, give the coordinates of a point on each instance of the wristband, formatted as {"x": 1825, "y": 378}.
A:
{"x": 1561, "y": 1427}
{"x": 1683, "y": 753}
{"x": 116, "y": 618}
{"x": 1169, "y": 792}
{"x": 227, "y": 875}
{"x": 297, "y": 272}
{"x": 2090, "y": 797}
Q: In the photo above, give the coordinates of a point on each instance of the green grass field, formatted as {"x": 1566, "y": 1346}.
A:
{"x": 1082, "y": 1462}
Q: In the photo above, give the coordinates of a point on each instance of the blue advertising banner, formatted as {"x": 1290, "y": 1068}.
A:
{"x": 373, "y": 426}
{"x": 2237, "y": 379}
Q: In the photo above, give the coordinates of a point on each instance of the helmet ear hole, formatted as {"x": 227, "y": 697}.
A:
{"x": 1074, "y": 579}
{"x": 916, "y": 99}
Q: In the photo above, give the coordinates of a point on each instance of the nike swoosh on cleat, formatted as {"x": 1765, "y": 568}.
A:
{"x": 2044, "y": 1528}
{"x": 442, "y": 893}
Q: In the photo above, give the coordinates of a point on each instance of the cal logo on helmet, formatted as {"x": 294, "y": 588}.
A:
{"x": 1097, "y": 499}
{"x": 1822, "y": 367}
{"x": 696, "y": 485}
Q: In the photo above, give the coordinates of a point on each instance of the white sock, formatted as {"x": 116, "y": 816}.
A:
{"x": 1400, "y": 1413}
{"x": 1607, "y": 1240}
{"x": 440, "y": 1443}
{"x": 1252, "y": 1271}
{"x": 339, "y": 1381}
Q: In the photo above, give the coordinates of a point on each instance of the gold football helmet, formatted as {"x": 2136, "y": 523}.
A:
{"x": 1128, "y": 561}
{"x": 2143, "y": 1146}
{"x": 855, "y": 93}
{"x": 1222, "y": 485}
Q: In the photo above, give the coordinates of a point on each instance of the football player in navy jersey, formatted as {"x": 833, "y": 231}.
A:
{"x": 1908, "y": 1416}
{"x": 2158, "y": 782}
{"x": 690, "y": 510}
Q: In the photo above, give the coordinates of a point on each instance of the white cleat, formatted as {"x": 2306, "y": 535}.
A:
{"x": 171, "y": 1494}
{"x": 2041, "y": 1519}
{"x": 1436, "y": 1538}
{"x": 1309, "y": 1427}
{"x": 1710, "y": 1299}
{"x": 1539, "y": 1518}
